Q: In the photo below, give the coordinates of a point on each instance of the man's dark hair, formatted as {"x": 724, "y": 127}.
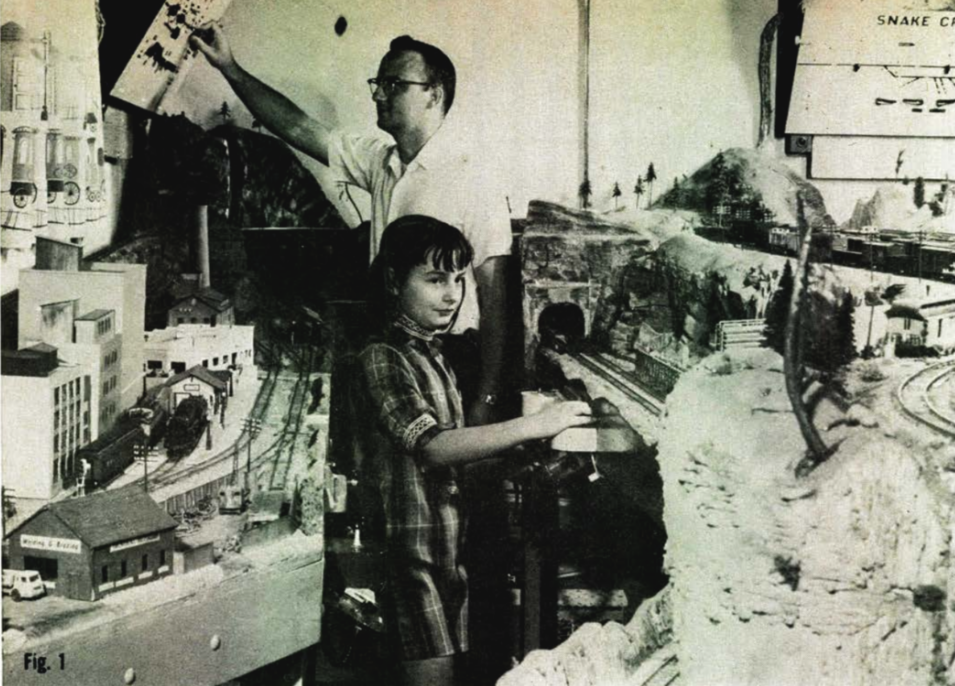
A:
{"x": 438, "y": 65}
{"x": 407, "y": 242}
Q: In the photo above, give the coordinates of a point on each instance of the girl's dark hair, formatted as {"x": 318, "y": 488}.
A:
{"x": 407, "y": 242}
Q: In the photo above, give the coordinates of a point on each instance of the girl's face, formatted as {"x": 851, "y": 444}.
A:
{"x": 430, "y": 296}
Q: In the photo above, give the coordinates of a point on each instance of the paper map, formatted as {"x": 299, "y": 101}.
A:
{"x": 164, "y": 55}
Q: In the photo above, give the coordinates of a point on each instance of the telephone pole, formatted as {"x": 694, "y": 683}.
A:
{"x": 142, "y": 452}
{"x": 252, "y": 426}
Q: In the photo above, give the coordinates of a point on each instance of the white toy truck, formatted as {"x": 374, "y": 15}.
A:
{"x": 22, "y": 583}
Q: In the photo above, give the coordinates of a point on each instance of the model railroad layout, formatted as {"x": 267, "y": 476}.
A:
{"x": 272, "y": 461}
{"x": 926, "y": 397}
{"x": 623, "y": 379}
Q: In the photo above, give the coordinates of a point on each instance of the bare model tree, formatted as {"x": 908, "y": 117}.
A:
{"x": 817, "y": 451}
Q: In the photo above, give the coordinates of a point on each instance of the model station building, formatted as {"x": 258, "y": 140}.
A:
{"x": 214, "y": 386}
{"x": 87, "y": 547}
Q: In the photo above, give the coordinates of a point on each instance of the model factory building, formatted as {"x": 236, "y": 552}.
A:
{"x": 87, "y": 547}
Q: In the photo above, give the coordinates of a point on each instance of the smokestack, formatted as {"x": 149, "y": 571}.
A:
{"x": 202, "y": 245}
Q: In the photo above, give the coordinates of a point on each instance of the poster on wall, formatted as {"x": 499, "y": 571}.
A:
{"x": 756, "y": 485}
{"x": 875, "y": 87}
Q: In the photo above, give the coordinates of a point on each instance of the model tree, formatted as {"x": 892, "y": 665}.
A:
{"x": 845, "y": 349}
{"x": 918, "y": 192}
{"x": 777, "y": 310}
{"x": 874, "y": 297}
{"x": 616, "y": 195}
{"x": 638, "y": 190}
{"x": 585, "y": 192}
{"x": 718, "y": 190}
{"x": 939, "y": 204}
{"x": 9, "y": 503}
{"x": 225, "y": 112}
{"x": 759, "y": 212}
{"x": 651, "y": 177}
{"x": 829, "y": 336}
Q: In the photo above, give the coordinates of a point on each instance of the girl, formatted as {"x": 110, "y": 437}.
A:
{"x": 417, "y": 443}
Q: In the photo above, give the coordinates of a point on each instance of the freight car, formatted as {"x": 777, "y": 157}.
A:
{"x": 113, "y": 451}
{"x": 186, "y": 426}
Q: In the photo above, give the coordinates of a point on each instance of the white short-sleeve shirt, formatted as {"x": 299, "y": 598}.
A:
{"x": 443, "y": 182}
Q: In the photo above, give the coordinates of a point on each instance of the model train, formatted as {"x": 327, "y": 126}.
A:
{"x": 897, "y": 252}
{"x": 113, "y": 450}
{"x": 186, "y": 426}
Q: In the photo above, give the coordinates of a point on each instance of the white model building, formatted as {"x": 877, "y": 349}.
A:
{"x": 67, "y": 308}
{"x": 47, "y": 416}
{"x": 175, "y": 349}
{"x": 929, "y": 323}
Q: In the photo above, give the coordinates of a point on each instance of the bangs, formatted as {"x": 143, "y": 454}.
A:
{"x": 451, "y": 257}
{"x": 416, "y": 239}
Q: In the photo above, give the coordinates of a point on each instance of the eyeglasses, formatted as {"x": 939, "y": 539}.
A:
{"x": 390, "y": 86}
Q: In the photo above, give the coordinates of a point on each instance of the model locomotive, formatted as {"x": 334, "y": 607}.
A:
{"x": 186, "y": 426}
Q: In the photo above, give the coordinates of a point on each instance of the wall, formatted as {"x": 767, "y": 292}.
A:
{"x": 51, "y": 254}
{"x": 135, "y": 574}
{"x": 28, "y": 428}
{"x": 132, "y": 325}
{"x": 75, "y": 565}
{"x": 671, "y": 83}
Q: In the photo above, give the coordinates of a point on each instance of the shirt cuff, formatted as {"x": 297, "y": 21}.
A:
{"x": 416, "y": 430}
{"x": 336, "y": 153}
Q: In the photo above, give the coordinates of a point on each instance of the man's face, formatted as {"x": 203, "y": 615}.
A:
{"x": 406, "y": 108}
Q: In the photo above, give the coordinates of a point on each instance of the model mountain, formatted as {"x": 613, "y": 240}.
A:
{"x": 892, "y": 206}
{"x": 741, "y": 177}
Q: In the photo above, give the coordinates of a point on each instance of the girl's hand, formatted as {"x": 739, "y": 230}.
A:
{"x": 553, "y": 419}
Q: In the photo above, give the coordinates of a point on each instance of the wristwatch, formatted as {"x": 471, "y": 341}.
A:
{"x": 489, "y": 399}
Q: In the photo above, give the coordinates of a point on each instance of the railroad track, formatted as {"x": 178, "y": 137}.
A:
{"x": 285, "y": 446}
{"x": 167, "y": 472}
{"x": 621, "y": 379}
{"x": 921, "y": 397}
{"x": 291, "y": 423}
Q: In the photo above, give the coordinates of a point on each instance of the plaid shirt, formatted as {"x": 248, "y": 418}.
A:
{"x": 411, "y": 395}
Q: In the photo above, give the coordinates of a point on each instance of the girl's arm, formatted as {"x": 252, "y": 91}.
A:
{"x": 457, "y": 446}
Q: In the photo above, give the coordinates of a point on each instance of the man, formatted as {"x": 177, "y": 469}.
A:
{"x": 422, "y": 172}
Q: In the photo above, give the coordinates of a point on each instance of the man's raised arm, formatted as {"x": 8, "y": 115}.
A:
{"x": 279, "y": 114}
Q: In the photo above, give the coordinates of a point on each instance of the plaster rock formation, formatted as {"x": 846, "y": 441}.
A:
{"x": 600, "y": 655}
{"x": 841, "y": 577}
{"x": 578, "y": 259}
{"x": 893, "y": 207}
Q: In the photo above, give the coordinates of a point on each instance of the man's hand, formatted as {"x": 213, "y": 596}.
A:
{"x": 210, "y": 40}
